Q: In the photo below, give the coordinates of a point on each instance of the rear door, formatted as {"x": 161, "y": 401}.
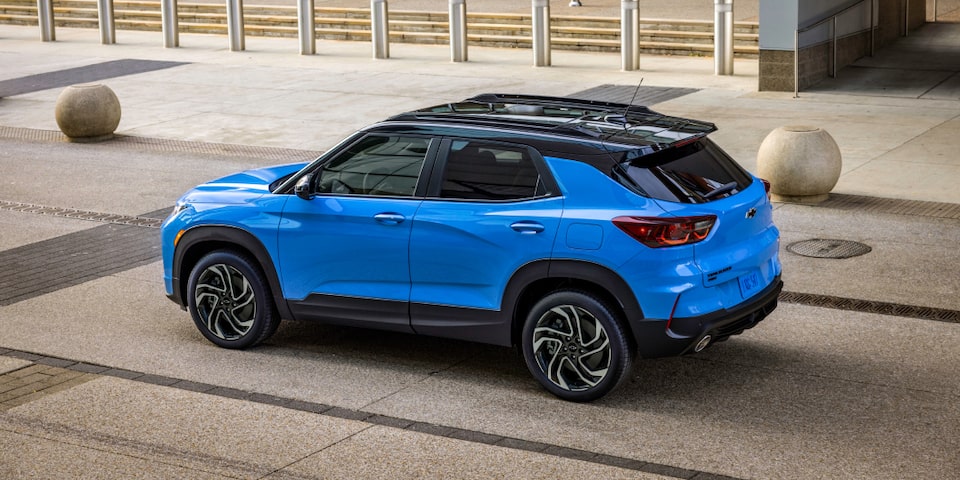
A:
{"x": 489, "y": 211}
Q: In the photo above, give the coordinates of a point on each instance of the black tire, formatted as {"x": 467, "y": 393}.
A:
{"x": 230, "y": 301}
{"x": 576, "y": 346}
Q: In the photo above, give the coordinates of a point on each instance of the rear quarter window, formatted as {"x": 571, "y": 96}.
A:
{"x": 696, "y": 173}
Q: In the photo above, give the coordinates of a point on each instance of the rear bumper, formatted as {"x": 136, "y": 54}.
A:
{"x": 654, "y": 339}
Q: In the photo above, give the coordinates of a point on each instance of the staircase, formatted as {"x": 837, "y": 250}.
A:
{"x": 592, "y": 34}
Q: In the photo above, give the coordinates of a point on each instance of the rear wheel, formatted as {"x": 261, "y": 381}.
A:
{"x": 230, "y": 301}
{"x": 576, "y": 346}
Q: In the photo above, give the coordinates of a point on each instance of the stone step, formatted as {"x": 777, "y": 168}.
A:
{"x": 662, "y": 36}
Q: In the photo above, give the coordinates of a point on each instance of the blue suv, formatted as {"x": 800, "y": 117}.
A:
{"x": 588, "y": 233}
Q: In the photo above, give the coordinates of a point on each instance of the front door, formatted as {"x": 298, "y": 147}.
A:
{"x": 345, "y": 253}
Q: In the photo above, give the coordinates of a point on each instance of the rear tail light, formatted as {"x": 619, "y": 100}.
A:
{"x": 656, "y": 232}
{"x": 766, "y": 187}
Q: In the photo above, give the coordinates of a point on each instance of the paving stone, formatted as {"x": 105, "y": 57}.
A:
{"x": 56, "y": 362}
{"x": 85, "y": 74}
{"x": 37, "y": 381}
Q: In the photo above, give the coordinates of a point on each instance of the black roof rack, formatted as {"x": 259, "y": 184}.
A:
{"x": 556, "y": 102}
{"x": 610, "y": 122}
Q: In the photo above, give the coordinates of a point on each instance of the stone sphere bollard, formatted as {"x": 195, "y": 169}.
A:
{"x": 801, "y": 163}
{"x": 88, "y": 112}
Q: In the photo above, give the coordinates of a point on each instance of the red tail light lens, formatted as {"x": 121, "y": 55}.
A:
{"x": 766, "y": 187}
{"x": 656, "y": 232}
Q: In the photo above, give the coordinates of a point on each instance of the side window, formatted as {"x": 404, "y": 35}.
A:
{"x": 489, "y": 171}
{"x": 386, "y": 165}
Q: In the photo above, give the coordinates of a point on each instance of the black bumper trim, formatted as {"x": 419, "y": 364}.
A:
{"x": 654, "y": 340}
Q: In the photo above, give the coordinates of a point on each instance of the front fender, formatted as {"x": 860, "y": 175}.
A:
{"x": 200, "y": 240}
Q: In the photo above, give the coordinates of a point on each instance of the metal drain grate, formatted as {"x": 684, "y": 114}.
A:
{"x": 152, "y": 219}
{"x": 870, "y": 306}
{"x": 826, "y": 248}
{"x": 894, "y": 206}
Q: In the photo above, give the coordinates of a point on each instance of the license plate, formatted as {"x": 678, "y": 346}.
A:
{"x": 750, "y": 284}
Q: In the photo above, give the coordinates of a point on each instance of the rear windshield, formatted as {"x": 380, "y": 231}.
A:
{"x": 696, "y": 173}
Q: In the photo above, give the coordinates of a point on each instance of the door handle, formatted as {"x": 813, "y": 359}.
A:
{"x": 527, "y": 228}
{"x": 389, "y": 218}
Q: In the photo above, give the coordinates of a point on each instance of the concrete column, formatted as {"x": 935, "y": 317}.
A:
{"x": 458, "y": 30}
{"x": 629, "y": 35}
{"x": 306, "y": 27}
{"x": 906, "y": 18}
{"x": 235, "y": 25}
{"x": 380, "y": 28}
{"x": 170, "y": 24}
{"x": 541, "y": 33}
{"x": 108, "y": 31}
{"x": 48, "y": 31}
{"x": 723, "y": 37}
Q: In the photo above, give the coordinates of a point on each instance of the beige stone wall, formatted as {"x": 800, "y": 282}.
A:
{"x": 891, "y": 21}
{"x": 776, "y": 71}
{"x": 777, "y": 68}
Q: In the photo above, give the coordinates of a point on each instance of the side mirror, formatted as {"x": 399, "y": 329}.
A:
{"x": 304, "y": 186}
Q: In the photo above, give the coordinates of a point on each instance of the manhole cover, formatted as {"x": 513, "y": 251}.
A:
{"x": 826, "y": 248}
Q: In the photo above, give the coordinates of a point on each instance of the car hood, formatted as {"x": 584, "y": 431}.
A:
{"x": 240, "y": 185}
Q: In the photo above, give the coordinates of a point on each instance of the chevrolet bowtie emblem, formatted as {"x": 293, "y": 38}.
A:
{"x": 751, "y": 213}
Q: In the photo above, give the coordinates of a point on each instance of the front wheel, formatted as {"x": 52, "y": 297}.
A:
{"x": 230, "y": 301}
{"x": 575, "y": 346}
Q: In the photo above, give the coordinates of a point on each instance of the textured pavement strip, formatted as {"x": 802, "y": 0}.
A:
{"x": 35, "y": 381}
{"x": 42, "y": 267}
{"x": 86, "y": 438}
{"x": 892, "y": 206}
{"x": 272, "y": 154}
{"x": 870, "y": 306}
{"x": 151, "y": 219}
{"x": 84, "y": 74}
{"x": 47, "y": 375}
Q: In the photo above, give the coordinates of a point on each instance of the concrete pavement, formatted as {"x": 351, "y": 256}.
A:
{"x": 813, "y": 392}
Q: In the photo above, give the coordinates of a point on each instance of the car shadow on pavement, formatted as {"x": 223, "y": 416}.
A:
{"x": 742, "y": 380}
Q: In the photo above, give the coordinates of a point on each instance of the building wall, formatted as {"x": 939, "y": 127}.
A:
{"x": 779, "y": 20}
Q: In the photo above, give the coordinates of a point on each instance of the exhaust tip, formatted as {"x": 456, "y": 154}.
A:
{"x": 702, "y": 343}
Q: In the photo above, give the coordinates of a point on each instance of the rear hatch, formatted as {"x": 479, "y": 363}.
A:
{"x": 697, "y": 178}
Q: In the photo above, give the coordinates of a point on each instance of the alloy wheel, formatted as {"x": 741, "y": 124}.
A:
{"x": 225, "y": 301}
{"x": 571, "y": 348}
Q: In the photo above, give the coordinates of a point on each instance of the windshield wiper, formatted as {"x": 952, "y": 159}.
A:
{"x": 725, "y": 188}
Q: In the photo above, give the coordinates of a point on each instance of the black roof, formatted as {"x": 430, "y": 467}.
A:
{"x": 616, "y": 125}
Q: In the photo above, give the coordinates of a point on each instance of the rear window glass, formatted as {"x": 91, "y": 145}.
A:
{"x": 696, "y": 173}
{"x": 490, "y": 171}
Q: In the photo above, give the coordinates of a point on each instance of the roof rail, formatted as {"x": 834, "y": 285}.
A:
{"x": 560, "y": 101}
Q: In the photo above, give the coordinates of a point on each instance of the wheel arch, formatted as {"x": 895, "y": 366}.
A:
{"x": 535, "y": 280}
{"x": 198, "y": 241}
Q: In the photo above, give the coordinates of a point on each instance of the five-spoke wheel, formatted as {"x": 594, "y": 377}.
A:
{"x": 229, "y": 300}
{"x": 575, "y": 346}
